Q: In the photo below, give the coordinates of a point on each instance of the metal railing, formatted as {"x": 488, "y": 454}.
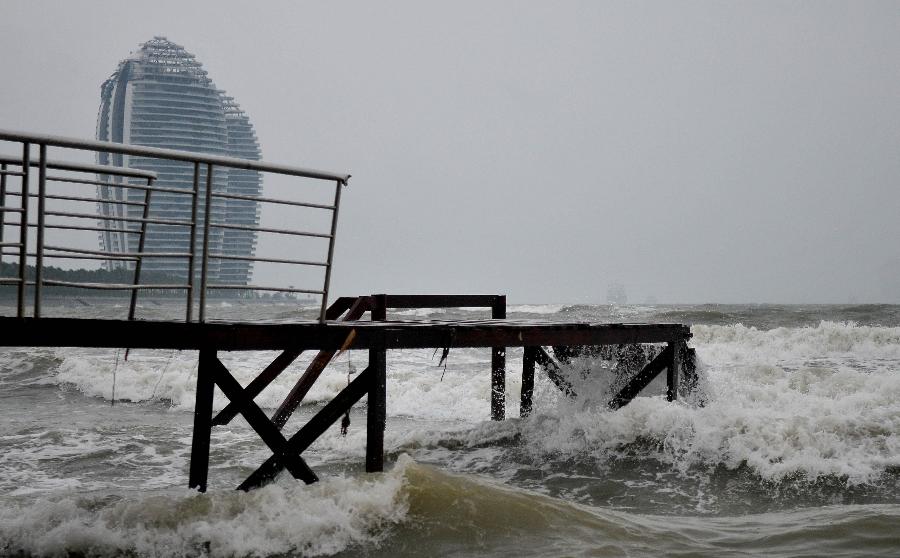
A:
{"x": 115, "y": 218}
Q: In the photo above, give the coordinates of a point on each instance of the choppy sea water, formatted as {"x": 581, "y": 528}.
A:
{"x": 795, "y": 453}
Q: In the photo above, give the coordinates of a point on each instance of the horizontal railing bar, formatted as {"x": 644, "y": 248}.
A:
{"x": 268, "y": 230}
{"x": 90, "y": 182}
{"x": 268, "y": 260}
{"x": 10, "y": 280}
{"x": 74, "y": 256}
{"x": 80, "y": 167}
{"x": 78, "y": 198}
{"x": 130, "y": 254}
{"x": 10, "y": 245}
{"x": 155, "y": 152}
{"x": 86, "y": 228}
{"x": 120, "y": 219}
{"x": 110, "y": 286}
{"x": 12, "y": 173}
{"x": 183, "y": 191}
{"x": 272, "y": 200}
{"x": 76, "y": 228}
{"x": 261, "y": 288}
{"x": 87, "y": 257}
{"x": 7, "y": 208}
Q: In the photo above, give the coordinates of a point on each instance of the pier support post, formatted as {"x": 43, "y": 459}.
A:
{"x": 202, "y": 420}
{"x": 377, "y": 409}
{"x": 673, "y": 376}
{"x": 498, "y": 365}
{"x": 376, "y": 413}
{"x": 528, "y": 360}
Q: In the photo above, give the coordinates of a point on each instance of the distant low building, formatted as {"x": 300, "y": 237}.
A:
{"x": 161, "y": 96}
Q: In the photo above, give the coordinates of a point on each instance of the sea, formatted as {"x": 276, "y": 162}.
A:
{"x": 791, "y": 447}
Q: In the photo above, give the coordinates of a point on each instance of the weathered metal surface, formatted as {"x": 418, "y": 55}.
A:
{"x": 498, "y": 366}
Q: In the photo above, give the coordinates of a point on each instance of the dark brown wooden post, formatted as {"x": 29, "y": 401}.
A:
{"x": 498, "y": 365}
{"x": 528, "y": 360}
{"x": 674, "y": 370}
{"x": 202, "y": 420}
{"x": 376, "y": 414}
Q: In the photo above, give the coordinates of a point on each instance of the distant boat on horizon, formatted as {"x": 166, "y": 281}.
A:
{"x": 615, "y": 294}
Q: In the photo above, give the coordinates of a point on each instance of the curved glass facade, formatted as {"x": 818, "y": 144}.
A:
{"x": 161, "y": 96}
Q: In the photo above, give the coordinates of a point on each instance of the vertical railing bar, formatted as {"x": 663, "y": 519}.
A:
{"x": 204, "y": 262}
{"x": 193, "y": 242}
{"x": 2, "y": 204}
{"x": 39, "y": 247}
{"x": 141, "y": 243}
{"x": 23, "y": 227}
{"x": 334, "y": 220}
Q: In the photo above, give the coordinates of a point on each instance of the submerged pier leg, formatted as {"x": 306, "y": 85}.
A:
{"x": 673, "y": 376}
{"x": 202, "y": 420}
{"x": 528, "y": 360}
{"x": 498, "y": 366}
{"x": 376, "y": 414}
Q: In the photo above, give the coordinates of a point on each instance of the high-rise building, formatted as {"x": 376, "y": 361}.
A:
{"x": 161, "y": 96}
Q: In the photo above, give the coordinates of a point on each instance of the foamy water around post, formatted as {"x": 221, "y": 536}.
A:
{"x": 797, "y": 450}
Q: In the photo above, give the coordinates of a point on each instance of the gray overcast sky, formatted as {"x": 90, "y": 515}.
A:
{"x": 694, "y": 151}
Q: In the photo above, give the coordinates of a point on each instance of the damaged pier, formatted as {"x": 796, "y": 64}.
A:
{"x": 340, "y": 327}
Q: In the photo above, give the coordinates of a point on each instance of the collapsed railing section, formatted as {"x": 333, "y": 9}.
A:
{"x": 125, "y": 209}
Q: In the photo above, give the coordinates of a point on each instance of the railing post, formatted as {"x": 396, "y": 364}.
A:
{"x": 498, "y": 365}
{"x": 2, "y": 204}
{"x": 23, "y": 228}
{"x": 140, "y": 257}
{"x": 204, "y": 261}
{"x": 39, "y": 244}
{"x": 193, "y": 242}
{"x": 528, "y": 361}
{"x": 334, "y": 221}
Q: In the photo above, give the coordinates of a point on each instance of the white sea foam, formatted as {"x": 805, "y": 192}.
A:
{"x": 811, "y": 401}
{"x": 536, "y": 308}
{"x": 285, "y": 517}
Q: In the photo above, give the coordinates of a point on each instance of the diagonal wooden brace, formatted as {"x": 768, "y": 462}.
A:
{"x": 315, "y": 369}
{"x": 258, "y": 384}
{"x": 642, "y": 379}
{"x": 553, "y": 372}
{"x": 316, "y": 426}
{"x": 262, "y": 425}
{"x": 285, "y": 359}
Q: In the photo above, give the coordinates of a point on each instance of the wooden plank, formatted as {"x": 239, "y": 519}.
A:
{"x": 314, "y": 370}
{"x": 498, "y": 366}
{"x": 642, "y": 379}
{"x": 553, "y": 372}
{"x": 440, "y": 301}
{"x": 75, "y": 332}
{"x": 316, "y": 426}
{"x": 528, "y": 361}
{"x": 202, "y": 421}
{"x": 261, "y": 424}
{"x": 258, "y": 384}
{"x": 339, "y": 306}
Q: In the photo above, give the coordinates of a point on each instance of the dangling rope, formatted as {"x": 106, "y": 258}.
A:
{"x": 112, "y": 402}
{"x": 163, "y": 373}
{"x": 345, "y": 422}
